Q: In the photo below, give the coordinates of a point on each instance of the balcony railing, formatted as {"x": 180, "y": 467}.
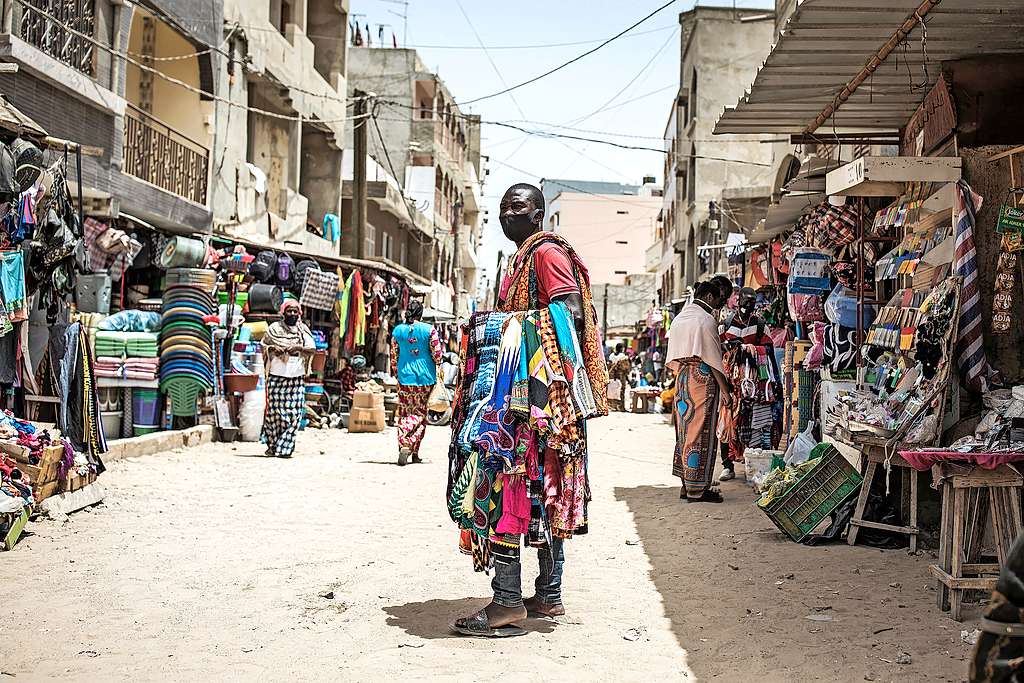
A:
{"x": 45, "y": 24}
{"x": 157, "y": 154}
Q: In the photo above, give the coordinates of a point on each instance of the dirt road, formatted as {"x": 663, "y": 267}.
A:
{"x": 214, "y": 563}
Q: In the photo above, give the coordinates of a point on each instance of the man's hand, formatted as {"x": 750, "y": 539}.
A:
{"x": 574, "y": 302}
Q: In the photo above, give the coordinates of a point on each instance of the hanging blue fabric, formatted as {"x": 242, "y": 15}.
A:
{"x": 332, "y": 227}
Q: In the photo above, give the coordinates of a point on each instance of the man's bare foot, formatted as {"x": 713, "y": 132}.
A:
{"x": 498, "y": 616}
{"x": 535, "y": 606}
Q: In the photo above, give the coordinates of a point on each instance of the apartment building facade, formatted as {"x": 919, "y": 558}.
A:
{"x": 281, "y": 124}
{"x": 721, "y": 49}
{"x": 98, "y": 72}
{"x": 609, "y": 231}
{"x": 432, "y": 150}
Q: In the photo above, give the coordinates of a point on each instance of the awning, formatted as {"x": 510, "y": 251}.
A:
{"x": 436, "y": 315}
{"x": 830, "y": 55}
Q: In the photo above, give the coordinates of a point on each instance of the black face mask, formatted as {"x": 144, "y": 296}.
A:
{"x": 518, "y": 224}
{"x": 290, "y": 319}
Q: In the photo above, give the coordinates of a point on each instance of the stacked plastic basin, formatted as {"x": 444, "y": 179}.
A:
{"x": 186, "y": 346}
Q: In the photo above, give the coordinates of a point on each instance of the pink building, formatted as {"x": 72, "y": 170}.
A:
{"x": 611, "y": 232}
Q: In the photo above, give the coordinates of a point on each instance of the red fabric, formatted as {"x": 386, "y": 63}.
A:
{"x": 923, "y": 460}
{"x": 554, "y": 274}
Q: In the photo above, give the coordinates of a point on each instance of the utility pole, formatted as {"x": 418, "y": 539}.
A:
{"x": 359, "y": 173}
{"x": 604, "y": 317}
{"x": 456, "y": 256}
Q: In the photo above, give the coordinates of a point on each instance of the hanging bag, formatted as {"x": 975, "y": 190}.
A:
{"x": 439, "y": 401}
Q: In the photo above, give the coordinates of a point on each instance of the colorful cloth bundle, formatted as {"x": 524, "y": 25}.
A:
{"x": 517, "y": 462}
{"x": 142, "y": 344}
{"x": 110, "y": 344}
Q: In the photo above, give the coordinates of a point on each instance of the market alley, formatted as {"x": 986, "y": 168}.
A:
{"x": 214, "y": 563}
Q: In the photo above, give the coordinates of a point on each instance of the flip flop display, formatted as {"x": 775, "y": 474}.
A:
{"x": 186, "y": 344}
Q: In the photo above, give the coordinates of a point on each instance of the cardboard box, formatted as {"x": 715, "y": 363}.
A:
{"x": 366, "y": 420}
{"x": 368, "y": 400}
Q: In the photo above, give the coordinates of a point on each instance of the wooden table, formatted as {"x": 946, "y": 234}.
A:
{"x": 643, "y": 399}
{"x": 874, "y": 452}
{"x": 973, "y": 499}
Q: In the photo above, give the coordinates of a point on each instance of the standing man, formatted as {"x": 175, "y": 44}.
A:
{"x": 544, "y": 269}
{"x": 743, "y": 327}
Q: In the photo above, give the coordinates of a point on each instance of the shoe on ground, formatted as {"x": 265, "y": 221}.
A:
{"x": 416, "y": 459}
{"x": 727, "y": 475}
{"x": 403, "y": 456}
{"x": 536, "y": 608}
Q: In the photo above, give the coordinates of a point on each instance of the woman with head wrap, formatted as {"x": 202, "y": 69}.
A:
{"x": 416, "y": 356}
{"x": 287, "y": 349}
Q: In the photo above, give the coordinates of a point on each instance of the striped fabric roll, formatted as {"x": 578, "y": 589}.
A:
{"x": 974, "y": 366}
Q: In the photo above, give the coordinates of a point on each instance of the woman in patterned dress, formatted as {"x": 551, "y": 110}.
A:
{"x": 695, "y": 355}
{"x": 287, "y": 347}
{"x": 416, "y": 357}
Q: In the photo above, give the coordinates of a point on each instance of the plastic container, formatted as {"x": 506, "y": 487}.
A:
{"x": 111, "y": 420}
{"x": 142, "y": 430}
{"x": 92, "y": 292}
{"x": 319, "y": 361}
{"x": 240, "y": 384}
{"x": 145, "y": 407}
{"x": 265, "y": 298}
{"x": 815, "y": 495}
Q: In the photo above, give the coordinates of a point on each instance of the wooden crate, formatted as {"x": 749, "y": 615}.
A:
{"x": 75, "y": 481}
{"x": 43, "y": 491}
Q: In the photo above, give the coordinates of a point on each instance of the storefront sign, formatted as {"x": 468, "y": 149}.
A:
{"x": 1011, "y": 219}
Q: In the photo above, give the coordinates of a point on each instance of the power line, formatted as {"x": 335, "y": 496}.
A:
{"x": 627, "y": 86}
{"x": 571, "y": 61}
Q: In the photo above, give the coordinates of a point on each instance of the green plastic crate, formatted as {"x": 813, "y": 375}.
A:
{"x": 815, "y": 495}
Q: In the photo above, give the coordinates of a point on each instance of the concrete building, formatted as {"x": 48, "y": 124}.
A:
{"x": 721, "y": 49}
{"x": 278, "y": 166}
{"x": 621, "y": 306}
{"x": 433, "y": 150}
{"x": 551, "y": 187}
{"x": 106, "y": 84}
{"x": 609, "y": 231}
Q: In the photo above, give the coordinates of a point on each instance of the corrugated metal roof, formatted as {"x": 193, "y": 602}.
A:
{"x": 826, "y": 44}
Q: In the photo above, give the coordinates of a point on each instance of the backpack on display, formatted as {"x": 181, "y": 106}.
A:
{"x": 285, "y": 270}
{"x": 264, "y": 266}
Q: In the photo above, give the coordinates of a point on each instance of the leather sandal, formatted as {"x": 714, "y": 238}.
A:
{"x": 477, "y": 625}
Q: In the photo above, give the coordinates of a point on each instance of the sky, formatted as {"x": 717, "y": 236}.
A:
{"x": 626, "y": 88}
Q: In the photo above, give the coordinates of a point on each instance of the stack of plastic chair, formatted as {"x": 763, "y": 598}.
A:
{"x": 186, "y": 347}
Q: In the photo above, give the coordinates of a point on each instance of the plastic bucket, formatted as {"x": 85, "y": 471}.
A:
{"x": 319, "y": 361}
{"x": 145, "y": 408}
{"x": 92, "y": 292}
{"x": 142, "y": 430}
{"x": 182, "y": 252}
{"x": 267, "y": 298}
{"x": 111, "y": 420}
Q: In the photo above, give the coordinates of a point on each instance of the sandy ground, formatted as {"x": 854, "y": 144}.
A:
{"x": 212, "y": 563}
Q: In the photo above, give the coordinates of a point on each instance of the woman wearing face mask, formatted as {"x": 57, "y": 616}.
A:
{"x": 695, "y": 355}
{"x": 287, "y": 349}
{"x": 416, "y": 357}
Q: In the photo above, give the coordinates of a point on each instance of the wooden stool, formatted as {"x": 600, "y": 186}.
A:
{"x": 875, "y": 457}
{"x": 642, "y": 402}
{"x": 972, "y": 498}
